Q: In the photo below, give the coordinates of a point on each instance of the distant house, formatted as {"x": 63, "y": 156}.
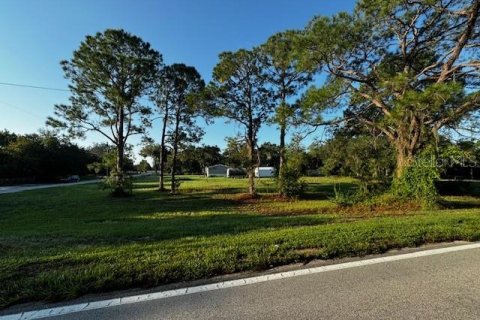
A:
{"x": 264, "y": 172}
{"x": 218, "y": 170}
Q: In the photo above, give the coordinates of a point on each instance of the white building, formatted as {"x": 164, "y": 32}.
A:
{"x": 264, "y": 172}
{"x": 217, "y": 170}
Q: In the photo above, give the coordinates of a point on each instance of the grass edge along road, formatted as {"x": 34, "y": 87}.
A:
{"x": 59, "y": 243}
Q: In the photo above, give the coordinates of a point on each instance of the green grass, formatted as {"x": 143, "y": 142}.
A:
{"x": 61, "y": 243}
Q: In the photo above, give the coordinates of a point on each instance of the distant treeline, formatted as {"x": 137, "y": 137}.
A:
{"x": 39, "y": 158}
{"x": 45, "y": 157}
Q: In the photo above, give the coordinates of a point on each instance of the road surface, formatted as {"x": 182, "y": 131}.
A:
{"x": 441, "y": 286}
{"x": 26, "y": 187}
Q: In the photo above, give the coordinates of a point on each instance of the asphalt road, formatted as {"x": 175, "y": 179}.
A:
{"x": 26, "y": 187}
{"x": 444, "y": 286}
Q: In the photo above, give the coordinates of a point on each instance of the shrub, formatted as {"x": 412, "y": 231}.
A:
{"x": 290, "y": 183}
{"x": 418, "y": 182}
{"x": 119, "y": 188}
{"x": 349, "y": 197}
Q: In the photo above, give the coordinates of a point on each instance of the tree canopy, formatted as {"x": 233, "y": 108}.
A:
{"x": 108, "y": 74}
{"x": 405, "y": 69}
{"x": 240, "y": 93}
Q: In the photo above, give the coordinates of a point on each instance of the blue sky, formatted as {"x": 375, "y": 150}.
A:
{"x": 36, "y": 35}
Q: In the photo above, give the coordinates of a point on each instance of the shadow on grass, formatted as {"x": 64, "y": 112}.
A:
{"x": 153, "y": 228}
{"x": 322, "y": 191}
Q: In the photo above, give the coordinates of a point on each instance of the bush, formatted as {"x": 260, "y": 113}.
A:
{"x": 418, "y": 182}
{"x": 290, "y": 183}
{"x": 118, "y": 188}
{"x": 347, "y": 198}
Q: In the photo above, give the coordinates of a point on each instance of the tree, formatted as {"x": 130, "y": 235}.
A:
{"x": 173, "y": 96}
{"x": 369, "y": 159}
{"x": 163, "y": 98}
{"x": 236, "y": 152}
{"x": 403, "y": 69}
{"x": 41, "y": 157}
{"x": 106, "y": 158}
{"x": 153, "y": 151}
{"x": 109, "y": 73}
{"x": 208, "y": 155}
{"x": 186, "y": 82}
{"x": 240, "y": 92}
{"x": 193, "y": 159}
{"x": 269, "y": 154}
{"x": 143, "y": 166}
{"x": 285, "y": 79}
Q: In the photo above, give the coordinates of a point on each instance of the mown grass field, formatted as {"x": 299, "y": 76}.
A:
{"x": 61, "y": 243}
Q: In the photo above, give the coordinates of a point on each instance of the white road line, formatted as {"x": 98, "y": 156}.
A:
{"x": 44, "y": 313}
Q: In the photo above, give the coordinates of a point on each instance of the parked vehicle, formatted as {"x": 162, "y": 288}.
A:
{"x": 71, "y": 179}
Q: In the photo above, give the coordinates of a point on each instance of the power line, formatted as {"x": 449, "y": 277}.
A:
{"x": 47, "y": 88}
{"x": 32, "y": 87}
{"x": 21, "y": 109}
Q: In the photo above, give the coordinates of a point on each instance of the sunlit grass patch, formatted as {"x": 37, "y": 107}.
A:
{"x": 61, "y": 243}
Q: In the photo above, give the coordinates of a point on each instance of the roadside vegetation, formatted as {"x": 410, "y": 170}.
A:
{"x": 62, "y": 243}
{"x": 395, "y": 84}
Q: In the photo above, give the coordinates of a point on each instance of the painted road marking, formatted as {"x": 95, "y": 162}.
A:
{"x": 44, "y": 313}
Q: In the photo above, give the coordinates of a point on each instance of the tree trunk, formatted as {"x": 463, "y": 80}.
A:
{"x": 404, "y": 159}
{"x": 283, "y": 132}
{"x": 251, "y": 170}
{"x": 119, "y": 178}
{"x": 175, "y": 151}
{"x": 119, "y": 164}
{"x": 161, "y": 185}
{"x": 251, "y": 162}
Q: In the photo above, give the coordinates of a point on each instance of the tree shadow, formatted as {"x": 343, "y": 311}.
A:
{"x": 323, "y": 191}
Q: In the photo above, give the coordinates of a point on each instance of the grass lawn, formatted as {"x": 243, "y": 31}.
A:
{"x": 61, "y": 243}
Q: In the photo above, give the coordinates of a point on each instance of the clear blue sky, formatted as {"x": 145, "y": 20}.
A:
{"x": 36, "y": 35}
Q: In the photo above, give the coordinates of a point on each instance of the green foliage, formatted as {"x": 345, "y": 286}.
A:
{"x": 41, "y": 157}
{"x": 386, "y": 76}
{"x": 269, "y": 154}
{"x": 280, "y": 61}
{"x": 119, "y": 186}
{"x": 345, "y": 198}
{"x": 108, "y": 75}
{"x": 106, "y": 159}
{"x": 152, "y": 150}
{"x": 194, "y": 159}
{"x": 240, "y": 92}
{"x": 109, "y": 72}
{"x": 371, "y": 160}
{"x": 143, "y": 166}
{"x": 97, "y": 244}
{"x": 290, "y": 183}
{"x": 348, "y": 197}
{"x": 236, "y": 152}
{"x": 418, "y": 181}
